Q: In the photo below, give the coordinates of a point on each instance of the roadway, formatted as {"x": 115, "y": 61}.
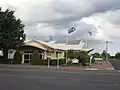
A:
{"x": 49, "y": 79}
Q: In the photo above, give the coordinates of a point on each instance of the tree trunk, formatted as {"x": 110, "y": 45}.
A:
{"x": 5, "y": 55}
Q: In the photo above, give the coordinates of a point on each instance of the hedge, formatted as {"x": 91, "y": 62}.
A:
{"x": 1, "y": 59}
{"x": 35, "y": 60}
{"x": 53, "y": 62}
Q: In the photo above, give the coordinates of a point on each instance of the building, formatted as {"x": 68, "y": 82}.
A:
{"x": 47, "y": 50}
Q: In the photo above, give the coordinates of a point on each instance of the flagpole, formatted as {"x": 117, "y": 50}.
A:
{"x": 90, "y": 33}
{"x": 106, "y": 50}
{"x": 66, "y": 41}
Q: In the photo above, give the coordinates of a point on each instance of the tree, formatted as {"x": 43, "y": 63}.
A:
{"x": 96, "y": 55}
{"x": 117, "y": 55}
{"x": 11, "y": 32}
{"x": 70, "y": 54}
{"x": 82, "y": 56}
{"x": 103, "y": 54}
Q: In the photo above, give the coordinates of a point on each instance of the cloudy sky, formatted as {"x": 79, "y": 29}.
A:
{"x": 55, "y": 17}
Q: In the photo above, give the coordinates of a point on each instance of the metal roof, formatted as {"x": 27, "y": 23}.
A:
{"x": 54, "y": 45}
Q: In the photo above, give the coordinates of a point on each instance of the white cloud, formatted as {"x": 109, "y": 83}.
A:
{"x": 105, "y": 29}
{"x": 54, "y": 17}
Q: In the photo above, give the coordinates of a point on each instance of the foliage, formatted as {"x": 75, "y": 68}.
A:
{"x": 82, "y": 57}
{"x": 62, "y": 62}
{"x": 69, "y": 63}
{"x": 117, "y": 55}
{"x": 35, "y": 60}
{"x": 71, "y": 54}
{"x": 11, "y": 31}
{"x": 112, "y": 57}
{"x": 93, "y": 59}
{"x": 17, "y": 58}
{"x": 1, "y": 60}
{"x": 87, "y": 59}
{"x": 52, "y": 62}
{"x": 96, "y": 55}
{"x": 103, "y": 54}
{"x": 108, "y": 55}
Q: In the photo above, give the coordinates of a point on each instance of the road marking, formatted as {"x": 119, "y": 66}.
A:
{"x": 110, "y": 69}
{"x": 92, "y": 69}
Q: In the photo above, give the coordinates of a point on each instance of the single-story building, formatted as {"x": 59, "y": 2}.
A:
{"x": 48, "y": 50}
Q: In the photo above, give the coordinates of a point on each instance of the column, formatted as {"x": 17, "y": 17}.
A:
{"x": 23, "y": 58}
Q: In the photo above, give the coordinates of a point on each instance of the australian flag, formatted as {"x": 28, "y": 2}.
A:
{"x": 71, "y": 30}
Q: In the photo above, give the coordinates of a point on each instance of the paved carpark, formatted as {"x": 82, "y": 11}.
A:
{"x": 49, "y": 79}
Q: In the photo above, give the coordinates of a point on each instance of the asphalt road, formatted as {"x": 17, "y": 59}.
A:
{"x": 48, "y": 79}
{"x": 116, "y": 64}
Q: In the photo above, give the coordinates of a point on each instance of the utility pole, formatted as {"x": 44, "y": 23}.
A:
{"x": 107, "y": 50}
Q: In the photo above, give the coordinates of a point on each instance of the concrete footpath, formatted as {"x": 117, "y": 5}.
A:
{"x": 99, "y": 65}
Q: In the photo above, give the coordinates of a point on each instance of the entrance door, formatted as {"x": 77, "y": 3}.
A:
{"x": 27, "y": 57}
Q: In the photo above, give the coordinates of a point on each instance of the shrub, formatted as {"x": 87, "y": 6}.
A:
{"x": 70, "y": 54}
{"x": 93, "y": 60}
{"x": 35, "y": 60}
{"x": 69, "y": 63}
{"x": 17, "y": 58}
{"x": 62, "y": 61}
{"x": 1, "y": 60}
{"x": 54, "y": 62}
{"x": 88, "y": 60}
{"x": 84, "y": 61}
{"x": 83, "y": 57}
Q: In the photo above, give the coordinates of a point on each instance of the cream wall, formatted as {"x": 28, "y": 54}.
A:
{"x": 53, "y": 55}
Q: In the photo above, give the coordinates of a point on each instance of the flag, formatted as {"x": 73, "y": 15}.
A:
{"x": 71, "y": 30}
{"x": 90, "y": 33}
